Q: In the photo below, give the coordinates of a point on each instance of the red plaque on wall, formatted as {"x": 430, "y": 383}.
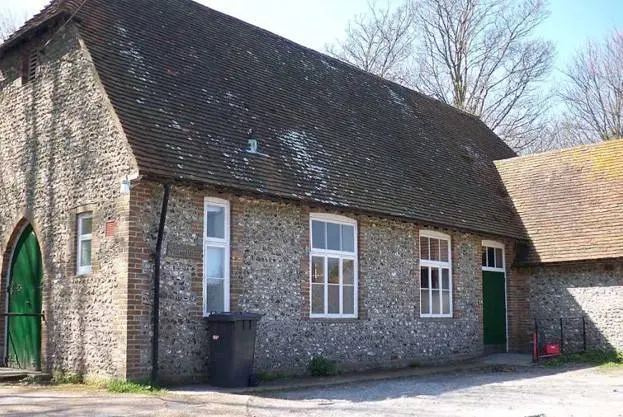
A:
{"x": 110, "y": 228}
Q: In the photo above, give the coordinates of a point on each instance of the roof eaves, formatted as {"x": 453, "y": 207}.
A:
{"x": 555, "y": 152}
{"x": 253, "y": 192}
{"x": 524, "y": 263}
{"x": 31, "y": 29}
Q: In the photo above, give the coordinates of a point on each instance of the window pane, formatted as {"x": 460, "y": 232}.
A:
{"x": 445, "y": 302}
{"x": 348, "y": 238}
{"x": 490, "y": 257}
{"x": 349, "y": 299}
{"x": 317, "y": 298}
{"x": 424, "y": 252}
{"x": 86, "y": 225}
{"x": 317, "y": 269}
{"x": 215, "y": 258}
{"x": 443, "y": 250}
{"x": 216, "y": 295}
{"x": 348, "y": 271}
{"x": 424, "y": 302}
{"x": 216, "y": 222}
{"x": 334, "y": 299}
{"x": 333, "y": 236}
{"x": 318, "y": 235}
{"x": 434, "y": 249}
{"x": 334, "y": 270}
{"x": 434, "y": 277}
{"x": 445, "y": 279}
{"x": 436, "y": 307}
{"x": 85, "y": 253}
{"x": 499, "y": 262}
{"x": 424, "y": 277}
{"x": 484, "y": 256}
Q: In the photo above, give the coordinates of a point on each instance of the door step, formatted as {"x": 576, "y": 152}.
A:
{"x": 491, "y": 349}
{"x": 13, "y": 374}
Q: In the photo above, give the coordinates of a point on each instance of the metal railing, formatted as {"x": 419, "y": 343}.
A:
{"x": 567, "y": 333}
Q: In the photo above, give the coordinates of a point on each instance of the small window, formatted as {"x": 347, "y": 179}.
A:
{"x": 493, "y": 255}
{"x": 85, "y": 240}
{"x": 435, "y": 275}
{"x": 30, "y": 65}
{"x": 216, "y": 257}
{"x": 333, "y": 267}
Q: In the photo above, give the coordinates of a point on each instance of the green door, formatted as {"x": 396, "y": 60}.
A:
{"x": 494, "y": 308}
{"x": 24, "y": 319}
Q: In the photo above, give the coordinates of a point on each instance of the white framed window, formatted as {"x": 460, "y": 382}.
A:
{"x": 85, "y": 243}
{"x": 215, "y": 256}
{"x": 333, "y": 266}
{"x": 492, "y": 256}
{"x": 435, "y": 275}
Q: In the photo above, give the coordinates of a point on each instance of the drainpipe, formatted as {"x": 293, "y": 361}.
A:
{"x": 156, "y": 308}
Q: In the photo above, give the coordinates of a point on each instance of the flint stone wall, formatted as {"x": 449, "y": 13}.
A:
{"x": 62, "y": 152}
{"x": 269, "y": 274}
{"x": 569, "y": 291}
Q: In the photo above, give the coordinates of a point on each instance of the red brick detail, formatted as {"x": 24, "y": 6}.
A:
{"x": 139, "y": 289}
{"x": 236, "y": 256}
{"x": 111, "y": 226}
{"x": 518, "y": 306}
{"x": 305, "y": 278}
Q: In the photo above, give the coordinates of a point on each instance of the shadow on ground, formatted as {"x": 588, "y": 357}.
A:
{"x": 432, "y": 385}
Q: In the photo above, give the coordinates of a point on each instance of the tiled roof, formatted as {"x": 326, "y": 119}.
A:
{"x": 190, "y": 83}
{"x": 570, "y": 202}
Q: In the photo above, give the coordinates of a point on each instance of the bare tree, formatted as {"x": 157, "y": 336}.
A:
{"x": 380, "y": 42}
{"x": 558, "y": 133}
{"x": 10, "y": 22}
{"x": 480, "y": 56}
{"x": 593, "y": 92}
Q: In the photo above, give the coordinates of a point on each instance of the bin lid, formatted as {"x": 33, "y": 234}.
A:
{"x": 234, "y": 316}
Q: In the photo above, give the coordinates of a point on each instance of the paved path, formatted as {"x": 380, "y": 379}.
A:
{"x": 532, "y": 392}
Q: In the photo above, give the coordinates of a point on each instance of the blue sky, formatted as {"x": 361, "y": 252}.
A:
{"x": 574, "y": 22}
{"x": 316, "y": 22}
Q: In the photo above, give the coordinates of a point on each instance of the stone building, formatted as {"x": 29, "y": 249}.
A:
{"x": 571, "y": 205}
{"x": 367, "y": 222}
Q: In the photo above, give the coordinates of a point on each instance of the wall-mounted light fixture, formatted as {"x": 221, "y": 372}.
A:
{"x": 125, "y": 185}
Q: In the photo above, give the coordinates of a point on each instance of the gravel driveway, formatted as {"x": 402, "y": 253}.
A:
{"x": 533, "y": 392}
{"x": 588, "y": 392}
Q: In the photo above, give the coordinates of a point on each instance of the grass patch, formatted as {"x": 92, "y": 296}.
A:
{"x": 268, "y": 376}
{"x": 591, "y": 357}
{"x": 125, "y": 387}
{"x": 321, "y": 366}
{"x": 111, "y": 385}
{"x": 62, "y": 377}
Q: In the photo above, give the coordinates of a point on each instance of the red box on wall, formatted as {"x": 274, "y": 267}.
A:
{"x": 552, "y": 349}
{"x": 110, "y": 228}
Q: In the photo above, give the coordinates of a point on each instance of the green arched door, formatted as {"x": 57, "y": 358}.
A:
{"x": 24, "y": 318}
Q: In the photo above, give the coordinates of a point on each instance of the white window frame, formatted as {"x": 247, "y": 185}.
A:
{"x": 219, "y": 243}
{"x": 83, "y": 237}
{"x": 328, "y": 253}
{"x": 498, "y": 245}
{"x": 436, "y": 264}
